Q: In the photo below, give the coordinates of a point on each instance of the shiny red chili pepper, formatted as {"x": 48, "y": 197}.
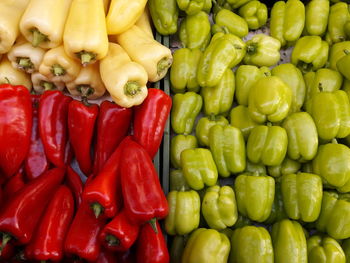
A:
{"x": 119, "y": 234}
{"x": 82, "y": 237}
{"x": 53, "y": 112}
{"x": 150, "y": 118}
{"x": 47, "y": 243}
{"x": 107, "y": 256}
{"x": 151, "y": 246}
{"x": 20, "y": 216}
{"x": 75, "y": 184}
{"x": 112, "y": 126}
{"x": 36, "y": 162}
{"x": 13, "y": 185}
{"x": 15, "y": 127}
{"x": 143, "y": 196}
{"x": 81, "y": 123}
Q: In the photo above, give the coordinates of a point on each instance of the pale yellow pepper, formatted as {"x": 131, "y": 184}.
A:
{"x": 42, "y": 83}
{"x": 106, "y": 5}
{"x": 124, "y": 79}
{"x": 43, "y": 22}
{"x": 123, "y": 14}
{"x": 153, "y": 56}
{"x": 88, "y": 83}
{"x": 85, "y": 36}
{"x": 58, "y": 66}
{"x": 9, "y": 74}
{"x": 144, "y": 22}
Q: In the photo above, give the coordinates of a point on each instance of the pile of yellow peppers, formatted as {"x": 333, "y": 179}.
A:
{"x": 86, "y": 46}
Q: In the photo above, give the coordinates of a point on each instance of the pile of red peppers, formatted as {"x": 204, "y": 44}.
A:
{"x": 47, "y": 214}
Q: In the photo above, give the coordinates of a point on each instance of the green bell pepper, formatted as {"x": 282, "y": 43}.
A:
{"x": 242, "y": 221}
{"x": 176, "y": 249}
{"x": 184, "y": 212}
{"x": 227, "y": 20}
{"x": 240, "y": 118}
{"x": 255, "y": 204}
{"x": 324, "y": 250}
{"x": 219, "y": 99}
{"x": 293, "y": 77}
{"x": 183, "y": 71}
{"x": 269, "y": 100}
{"x": 335, "y": 214}
{"x": 251, "y": 244}
{"x": 165, "y": 14}
{"x": 277, "y": 212}
{"x": 185, "y": 109}
{"x": 287, "y": 20}
{"x": 316, "y": 17}
{"x": 332, "y": 164}
{"x": 206, "y": 245}
{"x": 267, "y": 145}
{"x": 178, "y": 181}
{"x": 346, "y": 87}
{"x": 191, "y": 7}
{"x": 253, "y": 168}
{"x": 310, "y": 53}
{"x": 302, "y": 136}
{"x": 302, "y": 196}
{"x": 346, "y": 248}
{"x": 227, "y": 146}
{"x": 262, "y": 50}
{"x": 195, "y": 31}
{"x": 178, "y": 144}
{"x": 338, "y": 16}
{"x": 288, "y": 166}
{"x": 203, "y": 126}
{"x": 289, "y": 242}
{"x": 343, "y": 65}
{"x": 331, "y": 113}
{"x": 254, "y": 13}
{"x": 219, "y": 207}
{"x": 237, "y": 3}
{"x": 337, "y": 52}
{"x": 246, "y": 77}
{"x": 199, "y": 168}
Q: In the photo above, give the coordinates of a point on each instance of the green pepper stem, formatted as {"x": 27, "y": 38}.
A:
{"x": 97, "y": 208}
{"x": 334, "y": 141}
{"x": 48, "y": 85}
{"x": 153, "y": 224}
{"x": 347, "y": 52}
{"x": 58, "y": 70}
{"x": 5, "y": 239}
{"x": 25, "y": 63}
{"x": 305, "y": 67}
{"x": 163, "y": 65}
{"x": 269, "y": 124}
{"x": 212, "y": 117}
{"x": 86, "y": 57}
{"x": 85, "y": 90}
{"x": 226, "y": 31}
{"x": 252, "y": 48}
{"x": 42, "y": 261}
{"x": 131, "y": 88}
{"x": 112, "y": 240}
{"x": 38, "y": 37}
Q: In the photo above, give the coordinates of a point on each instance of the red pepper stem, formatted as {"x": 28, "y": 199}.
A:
{"x": 5, "y": 239}
{"x": 153, "y": 223}
{"x": 97, "y": 208}
{"x": 112, "y": 240}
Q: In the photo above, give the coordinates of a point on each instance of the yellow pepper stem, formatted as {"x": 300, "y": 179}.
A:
{"x": 58, "y": 70}
{"x": 86, "y": 57}
{"x": 38, "y": 37}
{"x": 131, "y": 88}
{"x": 163, "y": 65}
{"x": 48, "y": 85}
{"x": 112, "y": 240}
{"x": 85, "y": 90}
{"x": 25, "y": 63}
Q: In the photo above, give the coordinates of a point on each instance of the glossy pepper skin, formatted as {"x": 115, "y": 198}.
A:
{"x": 219, "y": 207}
{"x": 269, "y": 99}
{"x": 178, "y": 144}
{"x": 324, "y": 249}
{"x": 150, "y": 118}
{"x": 21, "y": 215}
{"x": 256, "y": 205}
{"x": 343, "y": 65}
{"x": 227, "y": 146}
{"x": 316, "y": 17}
{"x": 191, "y": 7}
{"x": 334, "y": 213}
{"x": 245, "y": 251}
{"x": 302, "y": 136}
{"x": 194, "y": 32}
{"x": 199, "y": 168}
{"x": 185, "y": 109}
{"x": 337, "y": 52}
{"x": 112, "y": 126}
{"x": 119, "y": 234}
{"x": 288, "y": 166}
{"x": 206, "y": 245}
{"x": 267, "y": 145}
{"x": 164, "y": 15}
{"x": 184, "y": 212}
{"x": 47, "y": 243}
{"x": 203, "y": 127}
{"x": 16, "y": 125}
{"x": 289, "y": 242}
{"x": 53, "y": 114}
{"x": 145, "y": 200}
{"x": 338, "y": 16}
{"x": 183, "y": 72}
{"x": 73, "y": 181}
{"x": 240, "y": 118}
{"x": 254, "y": 13}
{"x": 302, "y": 196}
{"x": 218, "y": 99}
{"x": 178, "y": 181}
{"x": 233, "y": 23}
{"x": 13, "y": 185}
{"x": 277, "y": 212}
{"x": 310, "y": 53}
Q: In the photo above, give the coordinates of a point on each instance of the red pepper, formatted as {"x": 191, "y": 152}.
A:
{"x": 112, "y": 126}
{"x": 81, "y": 123}
{"x": 20, "y": 216}
{"x": 15, "y": 127}
{"x": 7, "y": 252}
{"x": 119, "y": 234}
{"x": 75, "y": 184}
{"x": 13, "y": 185}
{"x": 36, "y": 162}
{"x": 47, "y": 243}
{"x": 53, "y": 111}
{"x": 150, "y": 118}
{"x": 151, "y": 246}
{"x": 82, "y": 237}
{"x": 143, "y": 196}
{"x": 107, "y": 256}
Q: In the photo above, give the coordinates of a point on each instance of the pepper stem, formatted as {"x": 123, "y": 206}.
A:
{"x": 86, "y": 57}
{"x": 58, "y": 70}
{"x": 112, "y": 240}
{"x": 226, "y": 31}
{"x": 7, "y": 80}
{"x": 346, "y": 52}
{"x": 305, "y": 67}
{"x": 212, "y": 117}
{"x": 38, "y": 37}
{"x": 48, "y": 85}
{"x": 131, "y": 88}
{"x": 85, "y": 90}
{"x": 153, "y": 224}
{"x": 25, "y": 63}
{"x": 97, "y": 208}
{"x": 334, "y": 141}
{"x": 163, "y": 66}
{"x": 5, "y": 239}
{"x": 252, "y": 48}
